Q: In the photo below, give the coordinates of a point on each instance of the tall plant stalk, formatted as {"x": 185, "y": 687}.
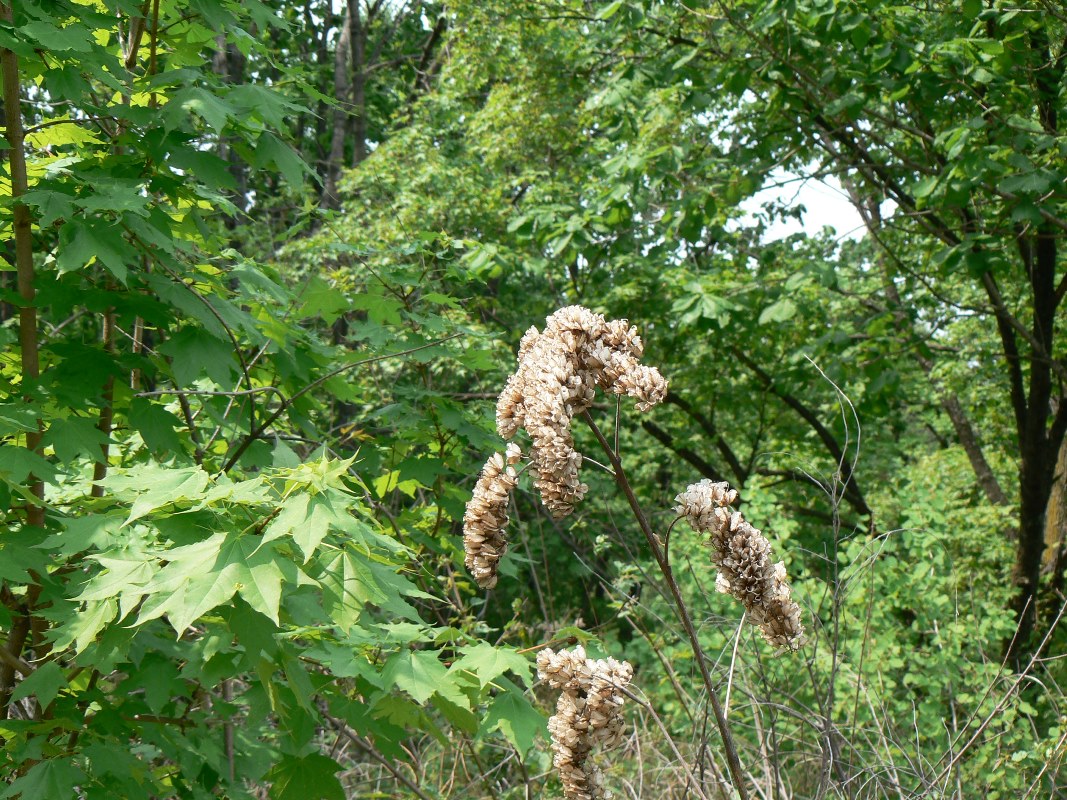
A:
{"x": 663, "y": 562}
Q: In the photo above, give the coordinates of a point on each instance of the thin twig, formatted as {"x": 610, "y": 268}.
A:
{"x": 256, "y": 432}
{"x": 373, "y": 752}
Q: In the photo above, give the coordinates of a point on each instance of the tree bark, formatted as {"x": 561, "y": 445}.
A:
{"x": 23, "y": 235}
{"x": 357, "y": 116}
{"x": 229, "y": 64}
{"x": 1056, "y": 520}
{"x": 341, "y": 92}
{"x": 1039, "y": 445}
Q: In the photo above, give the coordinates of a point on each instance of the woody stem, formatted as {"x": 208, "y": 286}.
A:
{"x": 658, "y": 553}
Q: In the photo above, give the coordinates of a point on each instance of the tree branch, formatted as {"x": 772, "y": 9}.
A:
{"x": 256, "y": 432}
{"x": 708, "y": 426}
{"x": 987, "y": 481}
{"x": 852, "y": 490}
{"x": 692, "y": 458}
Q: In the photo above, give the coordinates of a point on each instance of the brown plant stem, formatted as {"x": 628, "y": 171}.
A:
{"x": 22, "y": 226}
{"x": 365, "y": 745}
{"x": 658, "y": 553}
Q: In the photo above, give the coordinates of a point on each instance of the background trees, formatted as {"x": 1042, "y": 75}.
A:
{"x": 246, "y": 386}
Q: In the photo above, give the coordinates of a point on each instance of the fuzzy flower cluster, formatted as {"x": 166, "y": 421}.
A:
{"x": 743, "y": 556}
{"x": 588, "y": 713}
{"x": 559, "y": 370}
{"x": 486, "y": 517}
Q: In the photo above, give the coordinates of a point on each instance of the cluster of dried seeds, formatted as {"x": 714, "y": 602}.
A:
{"x": 743, "y": 556}
{"x": 559, "y": 370}
{"x": 588, "y": 713}
{"x": 558, "y": 373}
{"x": 486, "y": 516}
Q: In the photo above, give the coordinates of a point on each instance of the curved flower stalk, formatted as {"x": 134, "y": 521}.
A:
{"x": 743, "y": 556}
{"x": 588, "y": 713}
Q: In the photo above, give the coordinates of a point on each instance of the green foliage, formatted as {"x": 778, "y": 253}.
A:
{"x": 232, "y": 486}
{"x": 600, "y": 155}
{"x": 208, "y": 559}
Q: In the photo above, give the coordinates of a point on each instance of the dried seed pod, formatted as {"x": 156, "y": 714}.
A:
{"x": 743, "y": 556}
{"x": 588, "y": 713}
{"x": 559, "y": 370}
{"x": 486, "y": 517}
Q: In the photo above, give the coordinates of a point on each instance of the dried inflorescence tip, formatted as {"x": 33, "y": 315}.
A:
{"x": 588, "y": 713}
{"x": 559, "y": 370}
{"x": 486, "y": 517}
{"x": 743, "y": 556}
{"x": 558, "y": 373}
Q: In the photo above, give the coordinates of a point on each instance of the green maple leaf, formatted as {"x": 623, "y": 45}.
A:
{"x": 311, "y": 777}
{"x": 199, "y": 577}
{"x": 514, "y": 716}
{"x": 157, "y": 486}
{"x": 43, "y": 683}
{"x": 74, "y": 437}
{"x": 486, "y": 663}
{"x": 418, "y": 673}
{"x": 261, "y": 571}
{"x": 52, "y": 777}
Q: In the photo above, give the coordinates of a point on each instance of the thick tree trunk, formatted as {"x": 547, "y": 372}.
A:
{"x": 1039, "y": 445}
{"x": 322, "y": 111}
{"x": 229, "y": 63}
{"x": 1056, "y": 521}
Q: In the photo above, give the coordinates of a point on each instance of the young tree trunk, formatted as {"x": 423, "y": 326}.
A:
{"x": 341, "y": 92}
{"x": 23, "y": 235}
{"x": 22, "y": 609}
{"x": 357, "y": 118}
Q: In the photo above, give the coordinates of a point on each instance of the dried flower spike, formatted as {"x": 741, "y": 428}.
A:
{"x": 743, "y": 556}
{"x": 559, "y": 370}
{"x": 484, "y": 537}
{"x": 588, "y": 713}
